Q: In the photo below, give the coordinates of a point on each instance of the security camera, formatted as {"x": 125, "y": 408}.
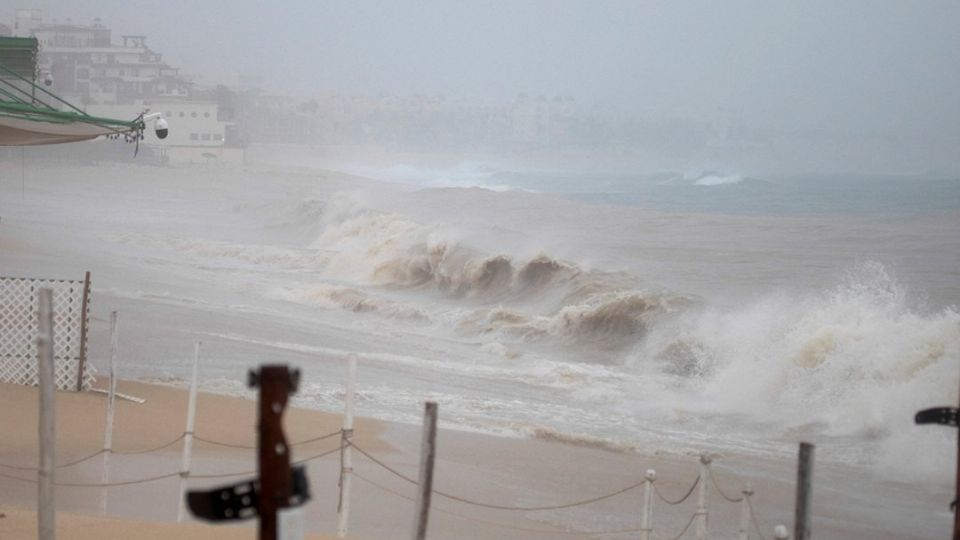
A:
{"x": 47, "y": 79}
{"x": 160, "y": 126}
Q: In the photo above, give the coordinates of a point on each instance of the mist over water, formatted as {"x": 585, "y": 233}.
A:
{"x": 779, "y": 309}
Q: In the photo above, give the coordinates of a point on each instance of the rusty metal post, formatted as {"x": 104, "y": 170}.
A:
{"x": 801, "y": 526}
{"x": 428, "y": 448}
{"x": 956, "y": 496}
{"x": 276, "y": 383}
{"x": 84, "y": 307}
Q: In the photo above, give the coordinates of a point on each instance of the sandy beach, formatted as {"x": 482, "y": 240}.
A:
{"x": 481, "y": 468}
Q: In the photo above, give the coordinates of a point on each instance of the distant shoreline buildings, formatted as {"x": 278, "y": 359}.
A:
{"x": 121, "y": 76}
{"x": 121, "y": 79}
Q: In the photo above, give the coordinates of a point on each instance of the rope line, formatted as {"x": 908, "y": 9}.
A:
{"x": 498, "y": 506}
{"x": 160, "y": 477}
{"x": 716, "y": 484}
{"x": 97, "y": 485}
{"x": 253, "y": 447}
{"x": 124, "y": 483}
{"x": 487, "y": 522}
{"x": 246, "y": 473}
{"x": 95, "y": 454}
{"x": 681, "y": 499}
{"x": 148, "y": 450}
{"x": 80, "y": 460}
{"x": 693, "y": 518}
{"x": 753, "y": 518}
{"x": 60, "y": 466}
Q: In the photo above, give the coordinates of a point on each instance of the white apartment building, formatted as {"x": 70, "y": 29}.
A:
{"x": 123, "y": 79}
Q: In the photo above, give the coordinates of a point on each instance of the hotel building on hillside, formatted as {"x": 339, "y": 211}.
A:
{"x": 121, "y": 80}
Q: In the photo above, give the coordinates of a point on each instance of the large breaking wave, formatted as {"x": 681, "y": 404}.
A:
{"x": 855, "y": 359}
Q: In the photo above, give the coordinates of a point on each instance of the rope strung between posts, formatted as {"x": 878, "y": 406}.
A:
{"x": 97, "y": 453}
{"x": 693, "y": 518}
{"x": 720, "y": 490}
{"x": 97, "y": 485}
{"x": 245, "y": 473}
{"x": 163, "y": 476}
{"x": 498, "y": 506}
{"x": 253, "y": 447}
{"x": 148, "y": 450}
{"x": 468, "y": 518}
{"x": 753, "y": 518}
{"x": 526, "y": 529}
{"x": 60, "y": 466}
{"x": 161, "y": 447}
{"x": 693, "y": 486}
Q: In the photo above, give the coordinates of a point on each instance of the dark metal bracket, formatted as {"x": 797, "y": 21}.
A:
{"x": 945, "y": 416}
{"x": 241, "y": 501}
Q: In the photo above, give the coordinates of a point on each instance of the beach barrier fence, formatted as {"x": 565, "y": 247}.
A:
{"x": 648, "y": 529}
{"x": 18, "y": 319}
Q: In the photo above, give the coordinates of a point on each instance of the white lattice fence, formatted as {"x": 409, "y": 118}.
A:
{"x": 18, "y": 331}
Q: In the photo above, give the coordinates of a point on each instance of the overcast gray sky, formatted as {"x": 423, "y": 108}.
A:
{"x": 859, "y": 65}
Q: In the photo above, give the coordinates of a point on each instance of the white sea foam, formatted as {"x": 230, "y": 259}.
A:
{"x": 718, "y": 180}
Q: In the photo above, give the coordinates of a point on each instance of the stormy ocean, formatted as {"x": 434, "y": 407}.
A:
{"x": 664, "y": 311}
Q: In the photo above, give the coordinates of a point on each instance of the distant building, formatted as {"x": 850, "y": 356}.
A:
{"x": 85, "y": 64}
{"x": 122, "y": 80}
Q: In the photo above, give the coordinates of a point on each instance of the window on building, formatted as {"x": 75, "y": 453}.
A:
{"x": 205, "y": 136}
{"x": 181, "y": 114}
{"x": 194, "y": 136}
{"x": 206, "y": 115}
{"x": 217, "y": 137}
{"x": 193, "y": 114}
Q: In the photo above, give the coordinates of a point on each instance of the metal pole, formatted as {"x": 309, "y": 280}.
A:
{"x": 702, "y": 498}
{"x": 427, "y": 453}
{"x": 956, "y": 497}
{"x": 111, "y": 406}
{"x": 346, "y": 454}
{"x": 747, "y": 492}
{"x": 275, "y": 382}
{"x": 84, "y": 306}
{"x": 46, "y": 513}
{"x": 804, "y": 486}
{"x": 188, "y": 432}
{"x": 646, "y": 517}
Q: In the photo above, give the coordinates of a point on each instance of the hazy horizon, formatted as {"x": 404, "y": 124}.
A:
{"x": 882, "y": 75}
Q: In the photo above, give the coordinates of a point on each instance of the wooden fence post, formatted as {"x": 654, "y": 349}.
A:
{"x": 804, "y": 487}
{"x": 346, "y": 454}
{"x": 46, "y": 508}
{"x": 111, "y": 405}
{"x": 84, "y": 307}
{"x": 188, "y": 432}
{"x": 427, "y": 453}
